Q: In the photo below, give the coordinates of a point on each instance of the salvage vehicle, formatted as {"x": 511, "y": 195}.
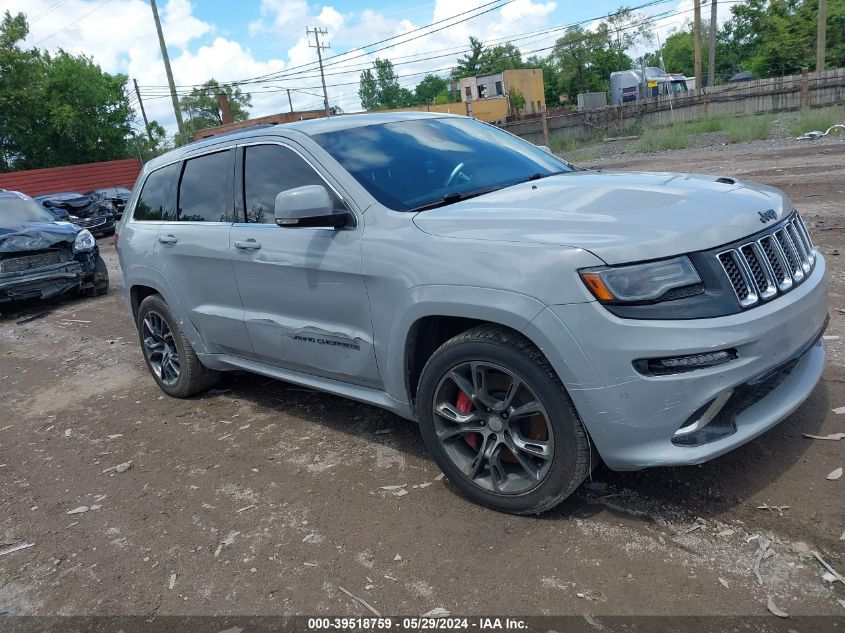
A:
{"x": 529, "y": 315}
{"x": 117, "y": 196}
{"x": 41, "y": 257}
{"x": 88, "y": 212}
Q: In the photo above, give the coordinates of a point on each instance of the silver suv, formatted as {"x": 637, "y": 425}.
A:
{"x": 529, "y": 315}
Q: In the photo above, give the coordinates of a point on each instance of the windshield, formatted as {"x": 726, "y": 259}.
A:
{"x": 422, "y": 162}
{"x": 17, "y": 210}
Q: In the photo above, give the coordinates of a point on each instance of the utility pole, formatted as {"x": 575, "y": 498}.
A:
{"x": 318, "y": 31}
{"x": 821, "y": 36}
{"x": 290, "y": 103}
{"x": 711, "y": 57}
{"x": 143, "y": 112}
{"x": 176, "y": 110}
{"x": 697, "y": 36}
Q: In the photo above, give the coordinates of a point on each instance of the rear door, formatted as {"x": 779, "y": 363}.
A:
{"x": 305, "y": 303}
{"x": 192, "y": 252}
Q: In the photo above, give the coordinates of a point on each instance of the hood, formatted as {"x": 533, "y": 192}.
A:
{"x": 34, "y": 236}
{"x": 620, "y": 217}
{"x": 82, "y": 206}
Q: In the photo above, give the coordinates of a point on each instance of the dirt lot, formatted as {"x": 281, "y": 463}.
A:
{"x": 264, "y": 498}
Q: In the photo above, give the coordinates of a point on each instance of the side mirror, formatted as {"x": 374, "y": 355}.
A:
{"x": 307, "y": 206}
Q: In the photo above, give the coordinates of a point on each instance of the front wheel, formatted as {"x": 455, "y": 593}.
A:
{"x": 499, "y": 423}
{"x": 168, "y": 354}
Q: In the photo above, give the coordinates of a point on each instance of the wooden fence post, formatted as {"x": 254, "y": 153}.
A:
{"x": 805, "y": 87}
{"x": 545, "y": 127}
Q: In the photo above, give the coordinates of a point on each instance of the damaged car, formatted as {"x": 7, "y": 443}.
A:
{"x": 117, "y": 196}
{"x": 88, "y": 212}
{"x": 41, "y": 257}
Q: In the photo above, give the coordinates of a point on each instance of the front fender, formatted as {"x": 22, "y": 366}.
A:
{"x": 510, "y": 309}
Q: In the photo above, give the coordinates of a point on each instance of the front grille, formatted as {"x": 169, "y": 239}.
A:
{"x": 23, "y": 263}
{"x": 763, "y": 268}
{"x": 91, "y": 223}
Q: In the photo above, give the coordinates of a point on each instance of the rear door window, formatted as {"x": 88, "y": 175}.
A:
{"x": 204, "y": 189}
{"x": 158, "y": 197}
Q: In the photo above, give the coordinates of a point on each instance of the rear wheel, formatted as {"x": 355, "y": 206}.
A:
{"x": 168, "y": 354}
{"x": 499, "y": 423}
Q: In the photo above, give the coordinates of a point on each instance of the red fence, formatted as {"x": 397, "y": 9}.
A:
{"x": 81, "y": 178}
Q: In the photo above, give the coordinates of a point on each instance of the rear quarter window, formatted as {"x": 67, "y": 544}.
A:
{"x": 157, "y": 201}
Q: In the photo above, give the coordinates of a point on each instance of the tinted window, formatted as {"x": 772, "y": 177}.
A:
{"x": 20, "y": 210}
{"x": 418, "y": 162}
{"x": 204, "y": 187}
{"x": 158, "y": 197}
{"x": 269, "y": 170}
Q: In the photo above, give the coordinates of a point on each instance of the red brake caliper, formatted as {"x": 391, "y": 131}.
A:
{"x": 464, "y": 405}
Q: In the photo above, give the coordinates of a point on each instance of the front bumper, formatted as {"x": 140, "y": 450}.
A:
{"x": 632, "y": 418}
{"x": 49, "y": 281}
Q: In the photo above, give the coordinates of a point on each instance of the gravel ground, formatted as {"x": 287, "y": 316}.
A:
{"x": 264, "y": 498}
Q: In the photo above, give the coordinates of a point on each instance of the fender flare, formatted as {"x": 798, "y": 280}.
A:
{"x": 150, "y": 277}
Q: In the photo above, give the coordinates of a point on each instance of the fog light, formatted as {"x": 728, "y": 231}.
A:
{"x": 679, "y": 364}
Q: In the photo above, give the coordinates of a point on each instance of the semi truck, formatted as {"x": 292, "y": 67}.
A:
{"x": 627, "y": 85}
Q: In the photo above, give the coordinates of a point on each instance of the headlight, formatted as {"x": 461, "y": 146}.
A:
{"x": 640, "y": 282}
{"x": 84, "y": 241}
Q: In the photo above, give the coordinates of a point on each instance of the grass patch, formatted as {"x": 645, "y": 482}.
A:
{"x": 748, "y": 128}
{"x": 564, "y": 145}
{"x": 820, "y": 119}
{"x": 659, "y": 139}
{"x": 585, "y": 154}
{"x": 713, "y": 124}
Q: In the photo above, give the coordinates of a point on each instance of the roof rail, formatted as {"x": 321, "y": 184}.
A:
{"x": 246, "y": 128}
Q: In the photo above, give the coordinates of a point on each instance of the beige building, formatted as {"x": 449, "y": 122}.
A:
{"x": 526, "y": 81}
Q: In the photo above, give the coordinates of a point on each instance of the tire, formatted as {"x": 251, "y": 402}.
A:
{"x": 192, "y": 376}
{"x": 556, "y": 455}
{"x": 101, "y": 277}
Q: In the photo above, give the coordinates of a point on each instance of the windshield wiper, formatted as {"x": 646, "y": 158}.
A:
{"x": 451, "y": 198}
{"x": 538, "y": 175}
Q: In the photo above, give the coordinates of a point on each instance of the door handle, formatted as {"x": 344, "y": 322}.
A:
{"x": 167, "y": 239}
{"x": 247, "y": 245}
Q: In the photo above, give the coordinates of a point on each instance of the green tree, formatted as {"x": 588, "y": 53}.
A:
{"x": 201, "y": 107}
{"x": 481, "y": 60}
{"x": 624, "y": 30}
{"x": 430, "y": 89}
{"x": 152, "y": 143}
{"x": 499, "y": 58}
{"x": 517, "y": 100}
{"x": 768, "y": 38}
{"x": 380, "y": 90}
{"x": 470, "y": 64}
{"x": 57, "y": 109}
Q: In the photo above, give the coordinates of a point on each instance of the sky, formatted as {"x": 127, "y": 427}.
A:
{"x": 265, "y": 41}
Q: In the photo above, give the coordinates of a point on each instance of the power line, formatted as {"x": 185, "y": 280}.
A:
{"x": 49, "y": 9}
{"x": 70, "y": 24}
{"x": 407, "y": 81}
{"x": 275, "y": 76}
{"x": 288, "y": 73}
{"x": 653, "y": 18}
